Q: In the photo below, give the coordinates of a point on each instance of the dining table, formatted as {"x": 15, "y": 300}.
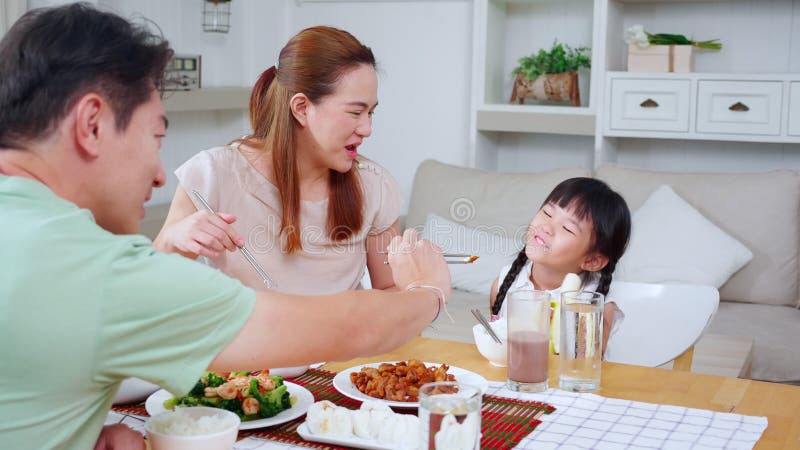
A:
{"x": 705, "y": 394}
{"x": 779, "y": 403}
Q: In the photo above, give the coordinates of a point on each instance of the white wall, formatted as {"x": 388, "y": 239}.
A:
{"x": 423, "y": 49}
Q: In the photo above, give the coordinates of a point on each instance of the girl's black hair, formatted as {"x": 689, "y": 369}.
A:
{"x": 590, "y": 199}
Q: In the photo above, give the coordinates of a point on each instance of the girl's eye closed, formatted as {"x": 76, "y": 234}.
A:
{"x": 546, "y": 213}
{"x": 569, "y": 231}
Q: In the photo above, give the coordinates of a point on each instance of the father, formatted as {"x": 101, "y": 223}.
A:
{"x": 84, "y": 301}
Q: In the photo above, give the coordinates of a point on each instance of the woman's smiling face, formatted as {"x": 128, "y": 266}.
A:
{"x": 339, "y": 122}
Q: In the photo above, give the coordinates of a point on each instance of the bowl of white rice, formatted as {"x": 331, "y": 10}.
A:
{"x": 195, "y": 428}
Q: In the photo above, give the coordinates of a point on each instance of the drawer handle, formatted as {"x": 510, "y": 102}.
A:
{"x": 649, "y": 103}
{"x": 739, "y": 106}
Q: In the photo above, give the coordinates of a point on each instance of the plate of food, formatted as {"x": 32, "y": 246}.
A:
{"x": 259, "y": 399}
{"x": 374, "y": 426}
{"x": 369, "y": 381}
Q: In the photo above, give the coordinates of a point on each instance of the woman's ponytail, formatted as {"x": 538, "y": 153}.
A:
{"x": 258, "y": 102}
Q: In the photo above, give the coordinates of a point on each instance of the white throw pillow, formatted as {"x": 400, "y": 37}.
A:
{"x": 495, "y": 251}
{"x": 671, "y": 242}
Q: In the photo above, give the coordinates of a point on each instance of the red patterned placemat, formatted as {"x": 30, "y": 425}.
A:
{"x": 504, "y": 421}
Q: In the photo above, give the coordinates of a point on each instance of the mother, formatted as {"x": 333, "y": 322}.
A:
{"x": 312, "y": 210}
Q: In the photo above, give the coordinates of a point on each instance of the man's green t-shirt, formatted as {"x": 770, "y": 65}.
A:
{"x": 81, "y": 309}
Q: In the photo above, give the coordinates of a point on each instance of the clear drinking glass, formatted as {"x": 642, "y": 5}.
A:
{"x": 449, "y": 416}
{"x": 581, "y": 348}
{"x": 528, "y": 340}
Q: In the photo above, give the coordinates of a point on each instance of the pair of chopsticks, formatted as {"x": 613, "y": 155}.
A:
{"x": 482, "y": 320}
{"x": 450, "y": 258}
{"x": 245, "y": 252}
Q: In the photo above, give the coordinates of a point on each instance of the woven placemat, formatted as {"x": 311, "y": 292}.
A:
{"x": 504, "y": 421}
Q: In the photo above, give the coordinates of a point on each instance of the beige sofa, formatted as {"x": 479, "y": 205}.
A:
{"x": 761, "y": 210}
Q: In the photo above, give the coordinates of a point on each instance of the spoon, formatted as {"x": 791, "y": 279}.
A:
{"x": 482, "y": 320}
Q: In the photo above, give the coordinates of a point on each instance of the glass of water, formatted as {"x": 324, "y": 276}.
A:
{"x": 581, "y": 347}
{"x": 450, "y": 416}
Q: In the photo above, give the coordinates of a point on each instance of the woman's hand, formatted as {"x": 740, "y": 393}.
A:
{"x": 418, "y": 262}
{"x": 201, "y": 233}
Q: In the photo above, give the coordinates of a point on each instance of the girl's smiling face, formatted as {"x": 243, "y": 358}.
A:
{"x": 559, "y": 239}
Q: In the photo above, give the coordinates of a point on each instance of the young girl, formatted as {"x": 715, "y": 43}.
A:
{"x": 582, "y": 227}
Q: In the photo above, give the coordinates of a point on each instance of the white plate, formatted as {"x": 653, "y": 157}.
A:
{"x": 352, "y": 441}
{"x": 155, "y": 405}
{"x": 343, "y": 384}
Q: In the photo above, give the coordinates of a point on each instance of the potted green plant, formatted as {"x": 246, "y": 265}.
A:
{"x": 550, "y": 75}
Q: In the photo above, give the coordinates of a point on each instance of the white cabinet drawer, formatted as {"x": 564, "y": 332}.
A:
{"x": 794, "y": 109}
{"x": 650, "y": 104}
{"x": 739, "y": 107}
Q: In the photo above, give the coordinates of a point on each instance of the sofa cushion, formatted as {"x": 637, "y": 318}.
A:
{"x": 774, "y": 329}
{"x": 495, "y": 251}
{"x": 671, "y": 242}
{"x": 504, "y": 203}
{"x": 761, "y": 210}
{"x": 459, "y": 306}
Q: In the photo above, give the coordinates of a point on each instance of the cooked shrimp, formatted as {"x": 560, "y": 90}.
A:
{"x": 211, "y": 392}
{"x": 227, "y": 391}
{"x": 265, "y": 381}
{"x": 250, "y": 406}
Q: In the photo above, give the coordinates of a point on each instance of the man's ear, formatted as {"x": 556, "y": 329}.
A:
{"x": 299, "y": 105}
{"x": 595, "y": 262}
{"x": 90, "y": 122}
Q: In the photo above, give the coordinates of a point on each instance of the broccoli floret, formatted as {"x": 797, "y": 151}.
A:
{"x": 278, "y": 380}
{"x": 273, "y": 402}
{"x": 198, "y": 390}
{"x": 171, "y": 402}
{"x": 214, "y": 380}
{"x": 286, "y": 400}
{"x": 189, "y": 401}
{"x": 233, "y": 405}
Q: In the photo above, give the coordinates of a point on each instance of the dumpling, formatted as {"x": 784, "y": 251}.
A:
{"x": 455, "y": 436}
{"x": 319, "y": 417}
{"x": 361, "y": 423}
{"x": 341, "y": 423}
{"x": 376, "y": 419}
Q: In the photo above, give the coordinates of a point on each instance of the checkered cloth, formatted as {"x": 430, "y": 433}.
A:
{"x": 588, "y": 421}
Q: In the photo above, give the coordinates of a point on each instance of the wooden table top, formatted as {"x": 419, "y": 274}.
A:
{"x": 778, "y": 402}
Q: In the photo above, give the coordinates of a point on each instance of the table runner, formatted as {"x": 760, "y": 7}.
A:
{"x": 589, "y": 421}
{"x": 504, "y": 421}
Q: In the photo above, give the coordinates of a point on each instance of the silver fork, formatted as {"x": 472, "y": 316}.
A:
{"x": 245, "y": 252}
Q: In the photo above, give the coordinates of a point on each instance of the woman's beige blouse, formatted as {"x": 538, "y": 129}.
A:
{"x": 232, "y": 185}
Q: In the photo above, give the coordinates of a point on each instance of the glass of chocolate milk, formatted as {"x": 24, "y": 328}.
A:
{"x": 528, "y": 340}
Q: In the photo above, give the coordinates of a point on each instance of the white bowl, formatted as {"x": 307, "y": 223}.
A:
{"x": 497, "y": 354}
{"x": 217, "y": 440}
{"x": 134, "y": 390}
{"x": 288, "y": 372}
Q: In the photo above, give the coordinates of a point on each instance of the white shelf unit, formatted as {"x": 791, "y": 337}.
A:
{"x": 536, "y": 119}
{"x": 749, "y": 55}
{"x": 506, "y": 30}
{"x": 207, "y": 99}
{"x": 767, "y": 97}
